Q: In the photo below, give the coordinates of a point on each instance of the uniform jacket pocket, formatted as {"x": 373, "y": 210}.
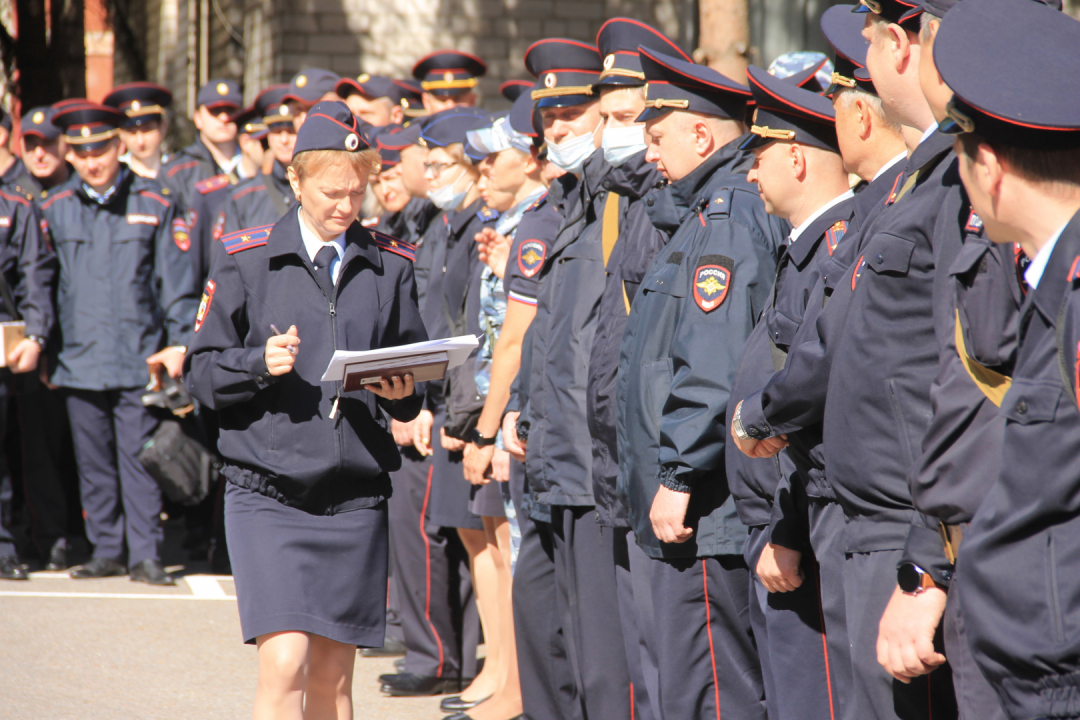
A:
{"x": 889, "y": 254}
{"x": 1031, "y": 401}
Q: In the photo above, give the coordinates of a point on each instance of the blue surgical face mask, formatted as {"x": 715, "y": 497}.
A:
{"x": 570, "y": 155}
{"x": 621, "y": 144}
{"x": 445, "y": 198}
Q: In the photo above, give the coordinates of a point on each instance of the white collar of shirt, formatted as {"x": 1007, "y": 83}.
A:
{"x": 886, "y": 166}
{"x": 313, "y": 245}
{"x": 927, "y": 133}
{"x": 231, "y": 164}
{"x": 795, "y": 233}
{"x": 1035, "y": 270}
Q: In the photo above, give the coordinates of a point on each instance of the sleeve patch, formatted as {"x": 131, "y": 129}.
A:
{"x": 210, "y": 184}
{"x": 219, "y": 227}
{"x": 835, "y": 234}
{"x": 204, "y": 304}
{"x": 392, "y": 244}
{"x": 138, "y": 219}
{"x": 974, "y": 224}
{"x": 712, "y": 279}
{"x": 246, "y": 239}
{"x": 531, "y": 255}
{"x": 180, "y": 234}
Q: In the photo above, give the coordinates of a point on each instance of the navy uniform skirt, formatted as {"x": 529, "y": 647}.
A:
{"x": 318, "y": 574}
{"x": 450, "y": 491}
{"x": 487, "y": 500}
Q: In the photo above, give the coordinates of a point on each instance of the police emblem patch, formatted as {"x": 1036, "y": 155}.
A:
{"x": 835, "y": 234}
{"x": 711, "y": 283}
{"x": 180, "y": 234}
{"x": 204, "y": 304}
{"x": 531, "y": 256}
{"x": 974, "y": 223}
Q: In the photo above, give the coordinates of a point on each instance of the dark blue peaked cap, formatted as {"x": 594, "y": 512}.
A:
{"x": 389, "y": 154}
{"x": 38, "y": 121}
{"x": 525, "y": 118}
{"x": 674, "y": 84}
{"x": 843, "y": 31}
{"x": 330, "y": 125}
{"x": 618, "y": 42}
{"x": 902, "y": 12}
{"x": 271, "y": 106}
{"x": 513, "y": 89}
{"x": 400, "y": 137}
{"x": 449, "y": 72}
{"x": 786, "y": 111}
{"x": 87, "y": 125}
{"x": 450, "y": 126}
{"x": 566, "y": 71}
{"x": 309, "y": 85}
{"x": 370, "y": 86}
{"x": 1014, "y": 69}
{"x": 142, "y": 102}
{"x": 220, "y": 93}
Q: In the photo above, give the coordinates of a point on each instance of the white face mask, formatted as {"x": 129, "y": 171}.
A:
{"x": 621, "y": 144}
{"x": 445, "y": 198}
{"x": 570, "y": 155}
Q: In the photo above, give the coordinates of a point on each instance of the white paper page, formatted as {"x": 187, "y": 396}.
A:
{"x": 457, "y": 350}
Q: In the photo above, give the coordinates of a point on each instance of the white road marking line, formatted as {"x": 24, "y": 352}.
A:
{"x": 112, "y": 596}
{"x": 204, "y": 587}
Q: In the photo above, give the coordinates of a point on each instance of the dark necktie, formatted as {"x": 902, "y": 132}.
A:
{"x": 323, "y": 258}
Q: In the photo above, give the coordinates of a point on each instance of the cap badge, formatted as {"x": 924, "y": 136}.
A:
{"x": 404, "y": 103}
{"x": 609, "y": 61}
{"x": 352, "y": 141}
{"x": 38, "y": 118}
{"x": 448, "y": 77}
{"x": 135, "y": 105}
{"x": 283, "y": 110}
{"x": 301, "y": 80}
{"x": 550, "y": 80}
{"x": 85, "y": 132}
{"x": 222, "y": 89}
{"x": 362, "y": 78}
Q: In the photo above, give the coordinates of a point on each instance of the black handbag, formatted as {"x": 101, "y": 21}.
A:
{"x": 182, "y": 467}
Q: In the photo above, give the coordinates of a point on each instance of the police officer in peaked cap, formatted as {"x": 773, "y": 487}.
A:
{"x": 308, "y": 462}
{"x": 375, "y": 99}
{"x": 14, "y": 177}
{"x": 124, "y": 312}
{"x": 43, "y": 147}
{"x": 308, "y": 87}
{"x": 144, "y": 129}
{"x": 448, "y": 79}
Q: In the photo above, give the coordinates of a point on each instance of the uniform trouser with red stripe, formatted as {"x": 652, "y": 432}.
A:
{"x": 827, "y": 522}
{"x": 638, "y": 623}
{"x": 869, "y": 582}
{"x": 434, "y": 589}
{"x": 790, "y": 641}
{"x": 709, "y": 668}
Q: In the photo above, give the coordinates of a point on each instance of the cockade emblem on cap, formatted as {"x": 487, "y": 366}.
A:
{"x": 38, "y": 118}
{"x": 301, "y": 80}
{"x": 362, "y": 78}
{"x": 135, "y": 105}
{"x": 283, "y": 110}
{"x": 222, "y": 89}
{"x": 85, "y": 132}
{"x": 550, "y": 80}
{"x": 352, "y": 141}
{"x": 609, "y": 61}
{"x": 448, "y": 77}
{"x": 404, "y": 103}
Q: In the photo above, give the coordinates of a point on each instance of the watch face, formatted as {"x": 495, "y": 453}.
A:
{"x": 908, "y": 578}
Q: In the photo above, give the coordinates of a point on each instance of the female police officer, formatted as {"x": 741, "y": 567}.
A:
{"x": 307, "y": 462}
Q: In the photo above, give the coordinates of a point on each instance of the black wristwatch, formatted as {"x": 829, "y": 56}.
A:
{"x": 913, "y": 580}
{"x": 481, "y": 441}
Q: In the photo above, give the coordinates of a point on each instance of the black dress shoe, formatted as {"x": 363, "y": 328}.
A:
{"x": 412, "y": 685}
{"x": 98, "y": 568}
{"x": 151, "y": 572}
{"x": 456, "y": 705}
{"x": 392, "y": 647}
{"x": 57, "y": 557}
{"x": 12, "y": 569}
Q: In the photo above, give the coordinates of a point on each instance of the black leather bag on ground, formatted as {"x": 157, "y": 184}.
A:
{"x": 183, "y": 468}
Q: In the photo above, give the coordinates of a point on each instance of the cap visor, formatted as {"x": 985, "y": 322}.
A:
{"x": 753, "y": 141}
{"x": 564, "y": 101}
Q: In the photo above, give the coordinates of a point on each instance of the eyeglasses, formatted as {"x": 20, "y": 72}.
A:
{"x": 436, "y": 169}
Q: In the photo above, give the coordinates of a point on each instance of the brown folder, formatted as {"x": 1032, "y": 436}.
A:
{"x": 430, "y": 366}
{"x": 14, "y": 333}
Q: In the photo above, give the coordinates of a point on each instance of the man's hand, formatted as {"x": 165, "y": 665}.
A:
{"x": 402, "y": 432}
{"x": 500, "y": 466}
{"x": 494, "y": 250}
{"x": 24, "y": 357}
{"x": 43, "y": 375}
{"x": 422, "y": 432}
{"x": 667, "y": 516}
{"x": 779, "y": 568}
{"x": 511, "y": 442}
{"x": 396, "y": 388}
{"x": 171, "y": 359}
{"x": 766, "y": 448}
{"x": 905, "y": 646}
{"x": 477, "y": 462}
{"x": 451, "y": 444}
{"x": 280, "y": 353}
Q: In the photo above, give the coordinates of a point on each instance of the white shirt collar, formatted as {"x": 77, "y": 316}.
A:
{"x": 313, "y": 245}
{"x": 886, "y": 166}
{"x": 1035, "y": 270}
{"x": 927, "y": 133}
{"x": 231, "y": 164}
{"x": 796, "y": 232}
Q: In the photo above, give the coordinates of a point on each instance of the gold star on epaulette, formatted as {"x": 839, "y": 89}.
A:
{"x": 393, "y": 243}
{"x": 720, "y": 201}
{"x": 244, "y": 239}
{"x": 165, "y": 191}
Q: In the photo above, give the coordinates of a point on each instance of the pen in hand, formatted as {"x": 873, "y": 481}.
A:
{"x": 290, "y": 348}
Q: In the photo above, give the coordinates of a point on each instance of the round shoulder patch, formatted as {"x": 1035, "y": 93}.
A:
{"x": 531, "y": 254}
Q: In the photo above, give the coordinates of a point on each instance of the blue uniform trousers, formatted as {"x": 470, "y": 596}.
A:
{"x": 974, "y": 694}
{"x": 638, "y": 623}
{"x": 827, "y": 539}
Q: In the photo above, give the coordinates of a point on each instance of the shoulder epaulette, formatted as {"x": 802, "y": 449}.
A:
{"x": 155, "y": 196}
{"x": 720, "y": 203}
{"x": 539, "y": 201}
{"x": 15, "y": 197}
{"x": 392, "y": 244}
{"x": 210, "y": 184}
{"x": 835, "y": 234}
{"x": 181, "y": 166}
{"x": 1074, "y": 271}
{"x": 974, "y": 223}
{"x": 241, "y": 192}
{"x": 486, "y": 214}
{"x": 24, "y": 192}
{"x": 234, "y": 242}
{"x": 45, "y": 205}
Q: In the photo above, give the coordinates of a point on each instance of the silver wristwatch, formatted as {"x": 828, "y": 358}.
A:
{"x": 736, "y": 423}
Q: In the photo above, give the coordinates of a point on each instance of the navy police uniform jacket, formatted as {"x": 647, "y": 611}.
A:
{"x": 280, "y": 435}
{"x": 257, "y": 201}
{"x": 410, "y": 225}
{"x": 630, "y": 258}
{"x": 694, "y": 310}
{"x": 754, "y": 482}
{"x": 558, "y": 457}
{"x": 187, "y": 167}
{"x": 1017, "y": 568}
{"x": 126, "y": 287}
{"x": 17, "y": 179}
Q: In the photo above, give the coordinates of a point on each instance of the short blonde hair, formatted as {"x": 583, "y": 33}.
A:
{"x": 311, "y": 162}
